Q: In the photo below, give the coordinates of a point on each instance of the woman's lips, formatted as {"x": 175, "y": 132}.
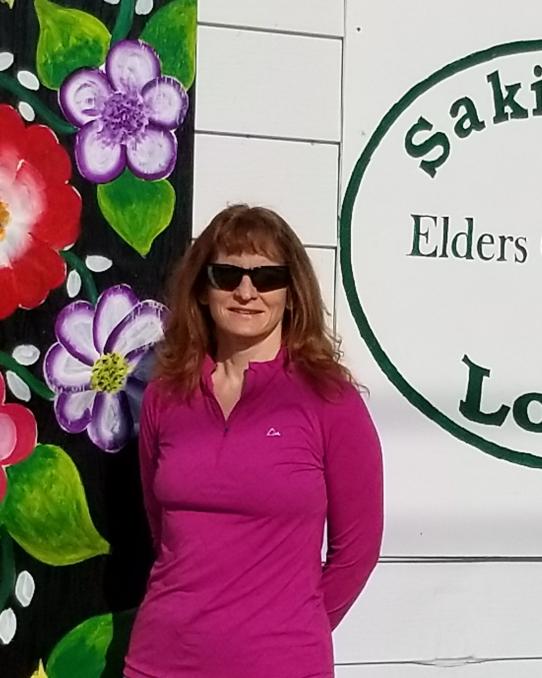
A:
{"x": 244, "y": 311}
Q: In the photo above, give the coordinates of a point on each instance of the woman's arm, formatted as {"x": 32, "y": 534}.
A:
{"x": 148, "y": 456}
{"x": 353, "y": 473}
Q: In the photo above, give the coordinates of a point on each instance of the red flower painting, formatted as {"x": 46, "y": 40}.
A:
{"x": 18, "y": 435}
{"x": 39, "y": 212}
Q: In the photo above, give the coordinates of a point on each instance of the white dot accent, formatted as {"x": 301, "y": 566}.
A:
{"x": 112, "y": 2}
{"x": 144, "y": 7}
{"x": 73, "y": 284}
{"x": 96, "y": 263}
{"x": 25, "y": 588}
{"x": 26, "y": 111}
{"x": 6, "y": 60}
{"x": 28, "y": 80}
{"x": 8, "y": 626}
{"x": 17, "y": 386}
{"x": 26, "y": 354}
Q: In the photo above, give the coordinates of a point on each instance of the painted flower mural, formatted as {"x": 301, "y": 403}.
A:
{"x": 126, "y": 114}
{"x": 18, "y": 435}
{"x": 39, "y": 212}
{"x": 103, "y": 89}
{"x": 97, "y": 368}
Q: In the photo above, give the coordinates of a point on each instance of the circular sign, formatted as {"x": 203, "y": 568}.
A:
{"x": 441, "y": 258}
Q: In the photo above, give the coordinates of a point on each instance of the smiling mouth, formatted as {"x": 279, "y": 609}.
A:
{"x": 244, "y": 311}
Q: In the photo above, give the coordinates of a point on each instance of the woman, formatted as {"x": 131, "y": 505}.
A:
{"x": 251, "y": 436}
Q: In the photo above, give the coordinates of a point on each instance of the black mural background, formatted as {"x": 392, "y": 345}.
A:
{"x": 67, "y": 595}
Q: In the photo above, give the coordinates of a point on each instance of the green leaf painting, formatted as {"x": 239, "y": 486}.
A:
{"x": 137, "y": 210}
{"x": 94, "y": 649}
{"x": 69, "y": 39}
{"x": 172, "y": 33}
{"x": 46, "y": 511}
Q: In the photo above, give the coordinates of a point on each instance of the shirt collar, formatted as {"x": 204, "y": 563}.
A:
{"x": 256, "y": 372}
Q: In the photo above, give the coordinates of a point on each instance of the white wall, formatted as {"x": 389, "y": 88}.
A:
{"x": 269, "y": 130}
{"x": 268, "y": 117}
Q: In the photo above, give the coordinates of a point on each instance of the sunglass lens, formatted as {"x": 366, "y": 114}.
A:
{"x": 264, "y": 278}
{"x": 268, "y": 278}
{"x": 225, "y": 277}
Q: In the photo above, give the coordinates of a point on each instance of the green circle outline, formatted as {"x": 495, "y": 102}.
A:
{"x": 345, "y": 250}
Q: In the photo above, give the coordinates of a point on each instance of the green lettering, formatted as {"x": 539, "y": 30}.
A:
{"x": 470, "y": 408}
{"x": 469, "y": 122}
{"x": 521, "y": 412}
{"x": 483, "y": 240}
{"x": 418, "y": 234}
{"x": 418, "y": 150}
{"x": 502, "y": 101}
{"x": 536, "y": 87}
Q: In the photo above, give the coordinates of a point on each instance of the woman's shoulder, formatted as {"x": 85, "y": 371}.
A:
{"x": 330, "y": 393}
{"x": 161, "y": 393}
{"x": 155, "y": 393}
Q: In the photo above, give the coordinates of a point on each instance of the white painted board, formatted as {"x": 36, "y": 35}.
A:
{"x": 444, "y": 613}
{"x": 324, "y": 17}
{"x": 502, "y": 669}
{"x": 323, "y": 261}
{"x": 442, "y": 266}
{"x": 268, "y": 84}
{"x": 298, "y": 180}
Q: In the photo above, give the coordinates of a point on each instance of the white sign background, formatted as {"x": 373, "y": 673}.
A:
{"x": 444, "y": 496}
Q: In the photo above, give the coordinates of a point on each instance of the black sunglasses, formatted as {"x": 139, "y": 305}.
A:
{"x": 264, "y": 278}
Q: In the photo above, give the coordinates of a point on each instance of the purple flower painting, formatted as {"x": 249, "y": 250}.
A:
{"x": 126, "y": 113}
{"x": 97, "y": 368}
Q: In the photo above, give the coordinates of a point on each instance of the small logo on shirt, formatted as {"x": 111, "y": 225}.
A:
{"x": 272, "y": 433}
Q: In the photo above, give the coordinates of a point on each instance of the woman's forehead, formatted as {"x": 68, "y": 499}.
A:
{"x": 247, "y": 259}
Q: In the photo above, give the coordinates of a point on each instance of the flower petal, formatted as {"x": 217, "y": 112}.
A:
{"x": 47, "y": 155}
{"x": 9, "y": 299}
{"x": 26, "y": 354}
{"x": 112, "y": 306}
{"x": 166, "y": 101}
{"x": 63, "y": 372}
{"x": 140, "y": 329}
{"x": 25, "y": 588}
{"x": 18, "y": 386}
{"x": 74, "y": 410}
{"x": 131, "y": 64}
{"x": 59, "y": 224}
{"x": 97, "y": 263}
{"x": 143, "y": 370}
{"x": 153, "y": 156}
{"x": 12, "y": 135}
{"x": 73, "y": 329}
{"x": 39, "y": 270}
{"x": 111, "y": 425}
{"x": 97, "y": 160}
{"x": 26, "y": 432}
{"x": 2, "y": 389}
{"x": 83, "y": 94}
{"x": 8, "y": 626}
{"x": 134, "y": 392}
{"x": 8, "y": 435}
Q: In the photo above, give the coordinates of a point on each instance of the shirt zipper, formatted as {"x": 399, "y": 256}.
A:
{"x": 226, "y": 423}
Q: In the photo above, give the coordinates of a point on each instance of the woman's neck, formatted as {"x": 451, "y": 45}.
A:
{"x": 233, "y": 356}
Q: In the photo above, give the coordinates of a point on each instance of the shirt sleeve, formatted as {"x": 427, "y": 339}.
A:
{"x": 353, "y": 475}
{"x": 148, "y": 456}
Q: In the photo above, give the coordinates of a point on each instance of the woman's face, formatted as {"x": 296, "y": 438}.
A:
{"x": 245, "y": 314}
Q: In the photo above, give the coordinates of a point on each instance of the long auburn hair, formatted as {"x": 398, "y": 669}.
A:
{"x": 189, "y": 332}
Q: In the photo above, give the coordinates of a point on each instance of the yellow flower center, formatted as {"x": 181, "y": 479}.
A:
{"x": 4, "y": 219}
{"x": 109, "y": 373}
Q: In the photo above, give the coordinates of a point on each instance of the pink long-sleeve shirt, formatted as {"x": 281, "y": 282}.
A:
{"x": 237, "y": 510}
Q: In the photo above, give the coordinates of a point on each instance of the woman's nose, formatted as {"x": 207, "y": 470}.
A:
{"x": 245, "y": 289}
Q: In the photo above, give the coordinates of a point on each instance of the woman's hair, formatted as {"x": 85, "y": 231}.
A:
{"x": 189, "y": 332}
